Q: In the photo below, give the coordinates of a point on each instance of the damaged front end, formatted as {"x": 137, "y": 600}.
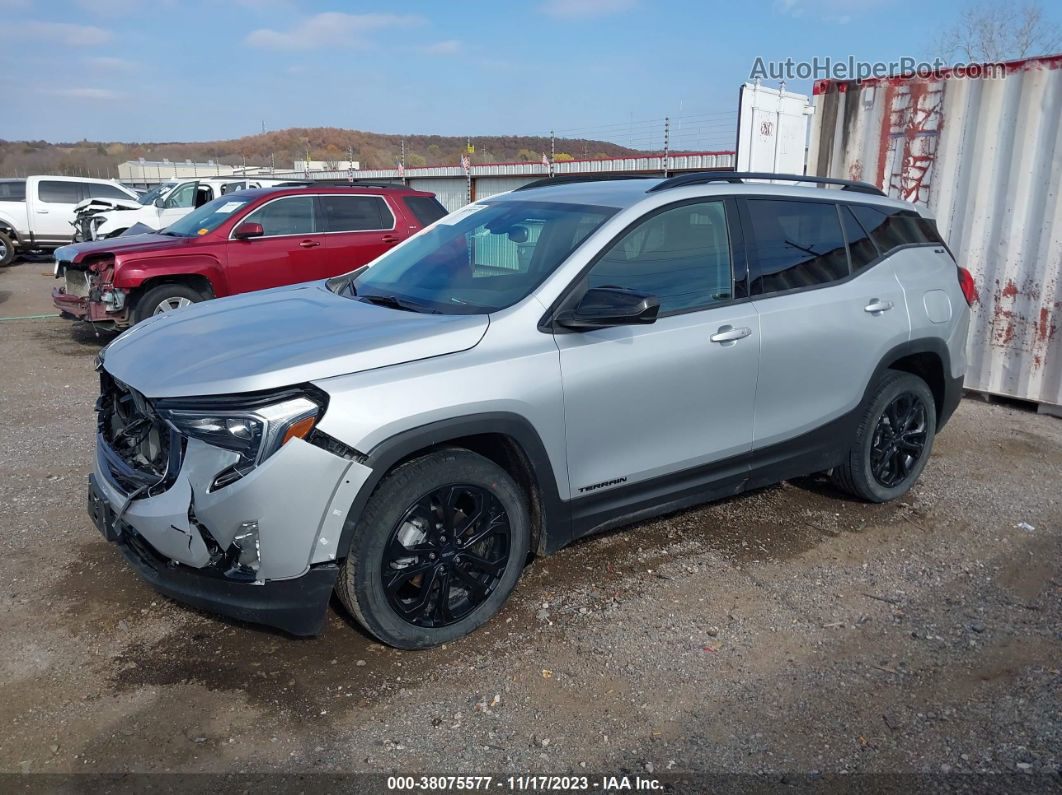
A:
{"x": 230, "y": 504}
{"x": 89, "y": 294}
{"x": 89, "y": 215}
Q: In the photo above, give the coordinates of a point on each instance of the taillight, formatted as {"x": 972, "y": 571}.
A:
{"x": 969, "y": 289}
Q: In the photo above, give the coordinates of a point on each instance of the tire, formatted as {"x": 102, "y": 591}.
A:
{"x": 7, "y": 249}
{"x": 401, "y": 508}
{"x": 154, "y": 300}
{"x": 881, "y": 467}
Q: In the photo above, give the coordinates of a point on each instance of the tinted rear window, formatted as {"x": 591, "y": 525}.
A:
{"x": 56, "y": 192}
{"x": 355, "y": 213}
{"x": 797, "y": 244}
{"x": 890, "y": 229}
{"x": 426, "y": 209}
{"x": 14, "y": 191}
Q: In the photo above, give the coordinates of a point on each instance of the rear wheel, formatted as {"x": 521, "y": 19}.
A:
{"x": 437, "y": 550}
{"x": 165, "y": 298}
{"x": 894, "y": 440}
{"x": 7, "y": 249}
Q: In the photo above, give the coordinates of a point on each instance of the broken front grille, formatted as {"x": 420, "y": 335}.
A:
{"x": 141, "y": 452}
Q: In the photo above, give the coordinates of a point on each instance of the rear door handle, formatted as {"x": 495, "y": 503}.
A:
{"x": 876, "y": 307}
{"x": 308, "y": 244}
{"x": 390, "y": 238}
{"x": 730, "y": 334}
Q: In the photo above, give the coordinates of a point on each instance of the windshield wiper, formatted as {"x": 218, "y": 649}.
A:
{"x": 394, "y": 302}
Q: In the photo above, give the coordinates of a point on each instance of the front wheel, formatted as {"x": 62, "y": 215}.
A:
{"x": 7, "y": 249}
{"x": 165, "y": 298}
{"x": 894, "y": 440}
{"x": 437, "y": 550}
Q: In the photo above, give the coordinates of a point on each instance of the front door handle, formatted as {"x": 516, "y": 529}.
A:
{"x": 730, "y": 334}
{"x": 308, "y": 244}
{"x": 42, "y": 211}
{"x": 390, "y": 239}
{"x": 876, "y": 307}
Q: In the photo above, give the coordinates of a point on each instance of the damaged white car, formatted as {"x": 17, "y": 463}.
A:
{"x": 161, "y": 206}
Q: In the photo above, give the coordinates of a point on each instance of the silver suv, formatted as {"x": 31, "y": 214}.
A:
{"x": 538, "y": 366}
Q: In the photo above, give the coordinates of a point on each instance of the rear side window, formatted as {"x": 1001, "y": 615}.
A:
{"x": 797, "y": 244}
{"x": 891, "y": 229}
{"x": 100, "y": 191}
{"x": 355, "y": 213}
{"x": 289, "y": 216}
{"x": 426, "y": 209}
{"x": 56, "y": 192}
{"x": 13, "y": 191}
{"x": 861, "y": 249}
{"x": 680, "y": 255}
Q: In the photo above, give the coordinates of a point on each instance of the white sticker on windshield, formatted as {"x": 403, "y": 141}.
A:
{"x": 460, "y": 215}
{"x": 229, "y": 207}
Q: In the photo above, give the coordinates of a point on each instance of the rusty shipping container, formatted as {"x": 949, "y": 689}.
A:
{"x": 984, "y": 154}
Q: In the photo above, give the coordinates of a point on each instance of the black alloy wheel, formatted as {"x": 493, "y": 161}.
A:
{"x": 446, "y": 555}
{"x": 899, "y": 439}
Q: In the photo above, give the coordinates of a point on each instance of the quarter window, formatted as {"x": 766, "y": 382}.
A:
{"x": 891, "y": 228}
{"x": 796, "y": 245}
{"x": 355, "y": 214}
{"x": 57, "y": 192}
{"x": 290, "y": 216}
{"x": 680, "y": 255}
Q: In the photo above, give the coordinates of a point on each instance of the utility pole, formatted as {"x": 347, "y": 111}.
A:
{"x": 552, "y": 151}
{"x": 667, "y": 133}
{"x": 272, "y": 164}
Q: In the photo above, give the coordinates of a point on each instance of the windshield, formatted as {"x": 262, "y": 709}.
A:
{"x": 208, "y": 217}
{"x": 480, "y": 259}
{"x": 154, "y": 193}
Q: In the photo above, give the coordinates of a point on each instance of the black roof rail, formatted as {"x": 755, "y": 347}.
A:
{"x": 704, "y": 177}
{"x": 565, "y": 179}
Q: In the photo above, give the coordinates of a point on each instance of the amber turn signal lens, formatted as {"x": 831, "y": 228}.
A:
{"x": 299, "y": 429}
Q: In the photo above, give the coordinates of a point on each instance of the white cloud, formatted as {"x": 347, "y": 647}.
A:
{"x": 109, "y": 64}
{"x": 447, "y": 47}
{"x": 331, "y": 28}
{"x": 572, "y": 9}
{"x": 61, "y": 33}
{"x": 86, "y": 93}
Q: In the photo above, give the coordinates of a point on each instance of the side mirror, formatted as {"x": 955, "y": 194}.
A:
{"x": 247, "y": 230}
{"x": 603, "y": 307}
{"x": 160, "y": 202}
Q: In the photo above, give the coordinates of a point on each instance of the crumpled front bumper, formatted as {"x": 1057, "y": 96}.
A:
{"x": 81, "y": 308}
{"x": 298, "y": 498}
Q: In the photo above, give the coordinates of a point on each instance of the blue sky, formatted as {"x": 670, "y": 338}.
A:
{"x": 140, "y": 70}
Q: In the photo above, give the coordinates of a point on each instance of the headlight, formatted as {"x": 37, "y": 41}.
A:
{"x": 253, "y": 433}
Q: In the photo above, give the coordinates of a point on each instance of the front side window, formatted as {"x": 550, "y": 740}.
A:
{"x": 355, "y": 214}
{"x": 796, "y": 244}
{"x": 183, "y": 196}
{"x": 680, "y": 255}
{"x": 480, "y": 259}
{"x": 59, "y": 192}
{"x": 289, "y": 216}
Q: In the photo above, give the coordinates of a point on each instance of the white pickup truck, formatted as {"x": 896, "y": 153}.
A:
{"x": 39, "y": 212}
{"x": 158, "y": 208}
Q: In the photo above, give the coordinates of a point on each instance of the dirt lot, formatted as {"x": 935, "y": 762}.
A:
{"x": 790, "y": 630}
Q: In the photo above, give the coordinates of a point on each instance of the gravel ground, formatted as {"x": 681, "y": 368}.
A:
{"x": 787, "y": 631}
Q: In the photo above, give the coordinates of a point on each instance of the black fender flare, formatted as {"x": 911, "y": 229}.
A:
{"x": 937, "y": 346}
{"x": 556, "y": 522}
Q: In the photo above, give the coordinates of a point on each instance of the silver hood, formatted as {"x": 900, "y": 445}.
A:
{"x": 275, "y": 338}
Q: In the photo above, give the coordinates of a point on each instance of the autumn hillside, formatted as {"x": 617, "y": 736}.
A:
{"x": 373, "y": 150}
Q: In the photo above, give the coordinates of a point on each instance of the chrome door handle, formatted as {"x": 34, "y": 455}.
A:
{"x": 730, "y": 334}
{"x": 876, "y": 307}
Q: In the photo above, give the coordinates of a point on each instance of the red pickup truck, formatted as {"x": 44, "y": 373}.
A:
{"x": 243, "y": 241}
